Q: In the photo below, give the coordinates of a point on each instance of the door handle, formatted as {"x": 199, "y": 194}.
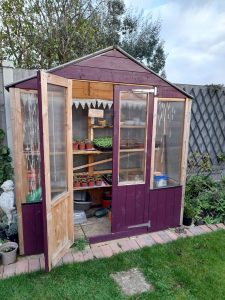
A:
{"x": 148, "y": 224}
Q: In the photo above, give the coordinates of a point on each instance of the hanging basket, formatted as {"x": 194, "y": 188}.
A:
{"x": 10, "y": 256}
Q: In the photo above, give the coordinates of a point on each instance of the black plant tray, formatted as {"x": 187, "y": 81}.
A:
{"x": 109, "y": 180}
{"x": 103, "y": 149}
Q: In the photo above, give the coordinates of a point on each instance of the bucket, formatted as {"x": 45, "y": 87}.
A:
{"x": 160, "y": 180}
{"x": 8, "y": 257}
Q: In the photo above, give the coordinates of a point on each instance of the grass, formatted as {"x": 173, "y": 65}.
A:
{"x": 191, "y": 268}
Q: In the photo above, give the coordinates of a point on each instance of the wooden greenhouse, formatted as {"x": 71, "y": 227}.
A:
{"x": 100, "y": 149}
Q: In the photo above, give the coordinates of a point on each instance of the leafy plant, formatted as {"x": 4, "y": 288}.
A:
{"x": 205, "y": 200}
{"x": 103, "y": 142}
{"x": 80, "y": 244}
{"x": 6, "y": 169}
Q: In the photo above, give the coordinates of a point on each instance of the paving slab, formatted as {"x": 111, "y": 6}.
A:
{"x": 97, "y": 252}
{"x": 205, "y": 228}
{"x": 78, "y": 256}
{"x": 34, "y": 264}
{"x": 107, "y": 251}
{"x": 173, "y": 235}
{"x": 22, "y": 266}
{"x": 132, "y": 282}
{"x": 164, "y": 236}
{"x": 68, "y": 258}
{"x": 213, "y": 227}
{"x": 115, "y": 248}
{"x": 157, "y": 238}
{"x": 9, "y": 270}
{"x": 221, "y": 226}
{"x": 87, "y": 254}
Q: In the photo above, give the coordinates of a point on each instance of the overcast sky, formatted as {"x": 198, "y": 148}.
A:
{"x": 194, "y": 35}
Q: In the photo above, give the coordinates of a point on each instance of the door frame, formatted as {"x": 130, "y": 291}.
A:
{"x": 43, "y": 79}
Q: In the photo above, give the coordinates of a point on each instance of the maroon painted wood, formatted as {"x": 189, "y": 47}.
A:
{"x": 164, "y": 207}
{"x": 133, "y": 198}
{"x": 32, "y": 228}
{"x": 112, "y": 66}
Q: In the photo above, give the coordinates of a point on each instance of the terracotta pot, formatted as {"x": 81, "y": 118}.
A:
{"x": 83, "y": 184}
{"x": 88, "y": 146}
{"x": 81, "y": 146}
{"x": 91, "y": 183}
{"x": 76, "y": 184}
{"x": 75, "y": 146}
{"x": 8, "y": 257}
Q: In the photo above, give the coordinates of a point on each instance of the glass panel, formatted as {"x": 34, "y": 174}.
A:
{"x": 133, "y": 124}
{"x": 57, "y": 139}
{"x": 31, "y": 146}
{"x": 168, "y": 144}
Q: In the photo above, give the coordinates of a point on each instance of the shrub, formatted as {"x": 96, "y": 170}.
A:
{"x": 6, "y": 169}
{"x": 205, "y": 200}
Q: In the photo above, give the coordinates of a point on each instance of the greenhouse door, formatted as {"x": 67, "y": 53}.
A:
{"x": 55, "y": 107}
{"x": 133, "y": 109}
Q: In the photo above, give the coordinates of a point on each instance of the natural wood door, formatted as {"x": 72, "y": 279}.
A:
{"x": 55, "y": 107}
{"x": 132, "y": 135}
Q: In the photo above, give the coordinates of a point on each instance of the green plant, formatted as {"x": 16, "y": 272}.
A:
{"x": 6, "y": 169}
{"x": 205, "y": 200}
{"x": 103, "y": 142}
{"x": 80, "y": 244}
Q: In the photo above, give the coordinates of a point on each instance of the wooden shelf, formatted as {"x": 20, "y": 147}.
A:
{"x": 104, "y": 185}
{"x": 38, "y": 153}
{"x": 99, "y": 126}
{"x": 132, "y": 126}
{"x": 94, "y": 151}
{"x": 132, "y": 150}
{"x": 93, "y": 173}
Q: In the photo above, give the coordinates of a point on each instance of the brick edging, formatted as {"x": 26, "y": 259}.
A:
{"x": 107, "y": 249}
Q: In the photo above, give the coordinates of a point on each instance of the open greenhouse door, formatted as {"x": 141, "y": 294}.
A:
{"x": 55, "y": 106}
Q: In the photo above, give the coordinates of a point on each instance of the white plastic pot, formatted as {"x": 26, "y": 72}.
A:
{"x": 8, "y": 257}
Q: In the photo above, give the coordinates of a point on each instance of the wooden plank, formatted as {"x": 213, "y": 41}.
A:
{"x": 69, "y": 158}
{"x": 139, "y": 204}
{"x": 112, "y": 63}
{"x": 92, "y": 90}
{"x": 17, "y": 128}
{"x": 153, "y": 209}
{"x": 186, "y": 133}
{"x": 82, "y": 152}
{"x": 90, "y": 138}
{"x": 130, "y": 205}
{"x": 153, "y": 142}
{"x": 56, "y": 80}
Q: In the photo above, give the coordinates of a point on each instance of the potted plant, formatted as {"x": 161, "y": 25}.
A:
{"x": 189, "y": 214}
{"x": 8, "y": 252}
{"x": 88, "y": 144}
{"x": 76, "y": 182}
{"x": 91, "y": 181}
{"x": 84, "y": 182}
{"x": 98, "y": 180}
{"x": 81, "y": 145}
{"x": 75, "y": 144}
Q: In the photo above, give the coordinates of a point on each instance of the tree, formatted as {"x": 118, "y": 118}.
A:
{"x": 46, "y": 33}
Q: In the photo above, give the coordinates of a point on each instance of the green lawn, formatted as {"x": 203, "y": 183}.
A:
{"x": 191, "y": 268}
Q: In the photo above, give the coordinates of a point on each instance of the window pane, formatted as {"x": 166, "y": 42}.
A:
{"x": 133, "y": 122}
{"x": 168, "y": 143}
{"x": 57, "y": 139}
{"x": 31, "y": 146}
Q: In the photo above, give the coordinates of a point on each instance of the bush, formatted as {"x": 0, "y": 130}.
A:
{"x": 205, "y": 200}
{"x": 6, "y": 169}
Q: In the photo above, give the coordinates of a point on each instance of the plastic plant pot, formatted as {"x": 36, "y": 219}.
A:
{"x": 106, "y": 203}
{"x": 84, "y": 184}
{"x": 91, "y": 183}
{"x": 8, "y": 252}
{"x": 75, "y": 146}
{"x": 76, "y": 184}
{"x": 88, "y": 146}
{"x": 82, "y": 146}
{"x": 98, "y": 182}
